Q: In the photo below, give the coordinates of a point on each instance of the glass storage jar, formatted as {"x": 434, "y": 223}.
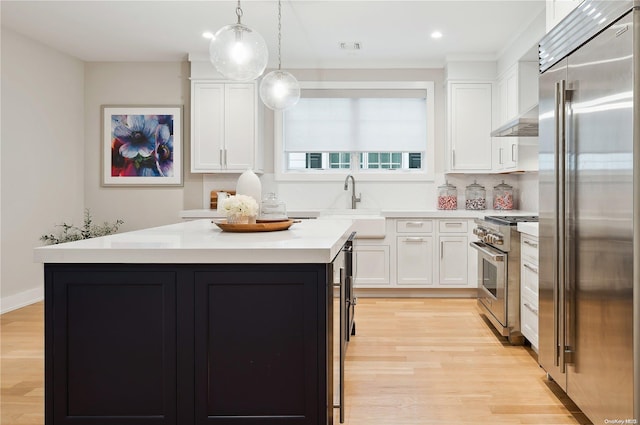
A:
{"x": 272, "y": 209}
{"x": 503, "y": 197}
{"x": 447, "y": 197}
{"x": 475, "y": 197}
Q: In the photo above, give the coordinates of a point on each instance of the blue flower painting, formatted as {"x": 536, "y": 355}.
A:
{"x": 142, "y": 146}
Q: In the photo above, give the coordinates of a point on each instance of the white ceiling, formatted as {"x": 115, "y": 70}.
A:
{"x": 393, "y": 33}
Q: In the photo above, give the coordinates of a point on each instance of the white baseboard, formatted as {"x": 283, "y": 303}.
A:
{"x": 21, "y": 299}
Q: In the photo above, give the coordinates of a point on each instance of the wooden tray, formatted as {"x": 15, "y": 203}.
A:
{"x": 269, "y": 226}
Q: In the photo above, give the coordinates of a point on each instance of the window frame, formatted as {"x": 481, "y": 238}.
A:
{"x": 427, "y": 173}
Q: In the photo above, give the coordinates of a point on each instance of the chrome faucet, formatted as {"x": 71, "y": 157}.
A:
{"x": 354, "y": 198}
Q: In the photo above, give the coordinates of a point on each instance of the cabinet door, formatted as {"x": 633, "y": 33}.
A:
{"x": 453, "y": 260}
{"x": 371, "y": 265}
{"x": 207, "y": 126}
{"x": 470, "y": 124}
{"x": 111, "y": 345}
{"x": 557, "y": 10}
{"x": 258, "y": 346}
{"x": 415, "y": 260}
{"x": 507, "y": 155}
{"x": 240, "y": 122}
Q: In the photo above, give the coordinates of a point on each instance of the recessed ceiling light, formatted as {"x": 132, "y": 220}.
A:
{"x": 207, "y": 34}
{"x": 436, "y": 34}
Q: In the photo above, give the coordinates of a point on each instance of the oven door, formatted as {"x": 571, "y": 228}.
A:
{"x": 492, "y": 279}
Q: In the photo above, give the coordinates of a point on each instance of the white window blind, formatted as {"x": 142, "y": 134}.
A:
{"x": 357, "y": 121}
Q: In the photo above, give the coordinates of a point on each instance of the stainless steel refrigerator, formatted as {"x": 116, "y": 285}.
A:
{"x": 589, "y": 144}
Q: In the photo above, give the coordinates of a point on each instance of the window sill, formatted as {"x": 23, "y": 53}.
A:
{"x": 339, "y": 175}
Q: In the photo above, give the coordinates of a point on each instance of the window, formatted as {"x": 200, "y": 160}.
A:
{"x": 377, "y": 130}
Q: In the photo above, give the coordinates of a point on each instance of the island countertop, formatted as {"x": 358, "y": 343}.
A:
{"x": 202, "y": 242}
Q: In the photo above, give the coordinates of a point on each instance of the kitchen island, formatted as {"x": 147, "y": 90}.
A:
{"x": 186, "y": 324}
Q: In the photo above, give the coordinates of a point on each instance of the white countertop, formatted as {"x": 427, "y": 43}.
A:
{"x": 528, "y": 227}
{"x": 202, "y": 242}
{"x": 461, "y": 213}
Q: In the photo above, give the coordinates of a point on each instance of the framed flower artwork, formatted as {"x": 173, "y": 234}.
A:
{"x": 141, "y": 145}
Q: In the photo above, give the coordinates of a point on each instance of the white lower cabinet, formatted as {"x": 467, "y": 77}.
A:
{"x": 529, "y": 289}
{"x": 417, "y": 253}
{"x": 414, "y": 260}
{"x": 371, "y": 265}
{"x": 453, "y": 254}
{"x": 453, "y": 260}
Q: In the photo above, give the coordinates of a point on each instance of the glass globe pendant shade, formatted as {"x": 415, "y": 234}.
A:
{"x": 279, "y": 90}
{"x": 238, "y": 52}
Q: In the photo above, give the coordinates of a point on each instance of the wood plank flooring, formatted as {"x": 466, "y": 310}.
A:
{"x": 437, "y": 362}
{"x": 22, "y": 366}
{"x": 413, "y": 361}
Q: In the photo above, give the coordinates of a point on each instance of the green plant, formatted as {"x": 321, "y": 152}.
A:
{"x": 88, "y": 230}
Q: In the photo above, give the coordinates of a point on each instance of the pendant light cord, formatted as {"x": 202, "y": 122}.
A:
{"x": 239, "y": 12}
{"x": 279, "y": 35}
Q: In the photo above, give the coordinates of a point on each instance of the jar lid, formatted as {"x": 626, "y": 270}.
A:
{"x": 271, "y": 196}
{"x": 503, "y": 186}
{"x": 475, "y": 185}
{"x": 447, "y": 185}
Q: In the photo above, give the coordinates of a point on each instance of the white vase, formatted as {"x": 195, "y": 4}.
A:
{"x": 249, "y": 184}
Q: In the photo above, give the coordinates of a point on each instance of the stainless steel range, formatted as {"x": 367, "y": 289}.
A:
{"x": 499, "y": 272}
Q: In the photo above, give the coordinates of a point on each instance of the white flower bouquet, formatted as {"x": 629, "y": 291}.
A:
{"x": 240, "y": 209}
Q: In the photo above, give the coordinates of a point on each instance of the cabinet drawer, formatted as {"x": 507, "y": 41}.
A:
{"x": 529, "y": 248}
{"x": 452, "y": 226}
{"x": 529, "y": 320}
{"x": 529, "y": 281}
{"x": 414, "y": 226}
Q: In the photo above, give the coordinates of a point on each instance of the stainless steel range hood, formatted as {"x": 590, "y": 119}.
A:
{"x": 526, "y": 125}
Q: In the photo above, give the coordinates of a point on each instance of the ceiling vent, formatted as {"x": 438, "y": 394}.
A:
{"x": 354, "y": 45}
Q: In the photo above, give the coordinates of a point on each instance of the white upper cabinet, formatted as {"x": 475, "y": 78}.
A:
{"x": 225, "y": 127}
{"x": 557, "y": 10}
{"x": 517, "y": 90}
{"x": 469, "y": 124}
{"x": 517, "y": 93}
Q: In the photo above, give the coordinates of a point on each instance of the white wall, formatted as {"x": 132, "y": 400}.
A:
{"x": 42, "y": 157}
{"x": 110, "y": 83}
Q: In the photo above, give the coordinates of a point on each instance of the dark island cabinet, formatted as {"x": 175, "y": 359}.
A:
{"x": 187, "y": 344}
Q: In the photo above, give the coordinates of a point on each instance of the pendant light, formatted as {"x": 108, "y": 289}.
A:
{"x": 279, "y": 89}
{"x": 238, "y": 52}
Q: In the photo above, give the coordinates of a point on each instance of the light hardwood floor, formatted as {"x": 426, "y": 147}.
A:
{"x": 413, "y": 361}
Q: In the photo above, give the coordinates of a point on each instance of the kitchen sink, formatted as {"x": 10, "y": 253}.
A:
{"x": 369, "y": 224}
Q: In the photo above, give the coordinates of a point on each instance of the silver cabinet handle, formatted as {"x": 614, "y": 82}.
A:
{"x": 225, "y": 158}
{"x": 533, "y": 269}
{"x": 413, "y": 239}
{"x": 221, "y": 157}
{"x": 415, "y": 223}
{"x": 533, "y": 310}
{"x": 500, "y": 155}
{"x": 513, "y": 155}
{"x": 531, "y": 244}
{"x": 453, "y": 224}
{"x": 441, "y": 250}
{"x": 453, "y": 158}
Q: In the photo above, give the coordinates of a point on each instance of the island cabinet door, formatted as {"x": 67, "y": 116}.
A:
{"x": 260, "y": 345}
{"x": 110, "y": 345}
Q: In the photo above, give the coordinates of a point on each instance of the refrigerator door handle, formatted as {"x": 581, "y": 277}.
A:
{"x": 569, "y": 232}
{"x": 559, "y": 228}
